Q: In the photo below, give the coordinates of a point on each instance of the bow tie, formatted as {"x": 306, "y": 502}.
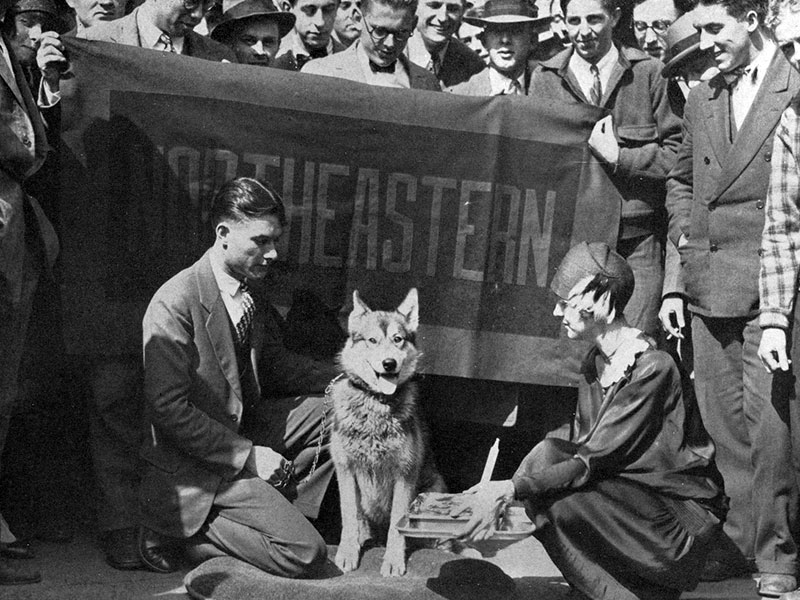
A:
{"x": 733, "y": 77}
{"x": 379, "y": 69}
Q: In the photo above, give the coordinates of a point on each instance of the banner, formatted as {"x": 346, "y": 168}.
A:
{"x": 474, "y": 201}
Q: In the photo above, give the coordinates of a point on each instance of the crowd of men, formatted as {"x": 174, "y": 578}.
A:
{"x": 700, "y": 140}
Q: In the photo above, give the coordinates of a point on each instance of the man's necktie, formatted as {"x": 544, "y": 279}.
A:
{"x": 379, "y": 69}
{"x": 434, "y": 64}
{"x": 302, "y": 59}
{"x": 165, "y": 43}
{"x": 248, "y": 310}
{"x": 597, "y": 87}
{"x": 513, "y": 88}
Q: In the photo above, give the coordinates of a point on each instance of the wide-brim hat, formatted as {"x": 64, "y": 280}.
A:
{"x": 47, "y": 7}
{"x": 236, "y": 10}
{"x": 683, "y": 45}
{"x": 505, "y": 12}
{"x": 587, "y": 260}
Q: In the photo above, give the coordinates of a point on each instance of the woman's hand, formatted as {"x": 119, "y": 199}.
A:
{"x": 487, "y": 501}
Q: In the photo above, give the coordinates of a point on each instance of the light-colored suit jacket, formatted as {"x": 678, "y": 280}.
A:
{"x": 717, "y": 189}
{"x": 346, "y": 65}
{"x": 194, "y": 397}
{"x": 126, "y": 31}
{"x": 21, "y": 155}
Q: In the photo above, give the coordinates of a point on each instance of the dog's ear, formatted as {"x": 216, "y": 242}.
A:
{"x": 409, "y": 308}
{"x": 359, "y": 308}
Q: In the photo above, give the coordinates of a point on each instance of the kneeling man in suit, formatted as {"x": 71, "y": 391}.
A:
{"x": 377, "y": 58}
{"x": 228, "y": 436}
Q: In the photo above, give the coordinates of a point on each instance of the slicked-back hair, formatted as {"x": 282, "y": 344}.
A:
{"x": 246, "y": 198}
{"x": 610, "y": 6}
{"x": 738, "y": 9}
{"x": 410, "y": 5}
{"x": 603, "y": 296}
{"x": 776, "y": 7}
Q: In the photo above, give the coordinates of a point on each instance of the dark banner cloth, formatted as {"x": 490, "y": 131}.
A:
{"x": 474, "y": 201}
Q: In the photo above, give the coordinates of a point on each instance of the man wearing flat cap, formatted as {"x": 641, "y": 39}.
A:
{"x": 510, "y": 33}
{"x": 253, "y": 30}
{"x": 376, "y": 58}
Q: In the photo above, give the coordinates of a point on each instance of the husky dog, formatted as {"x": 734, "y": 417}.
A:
{"x": 378, "y": 440}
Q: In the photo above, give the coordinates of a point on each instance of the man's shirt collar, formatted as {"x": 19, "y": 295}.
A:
{"x": 149, "y": 34}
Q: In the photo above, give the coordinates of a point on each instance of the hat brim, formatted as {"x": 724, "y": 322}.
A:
{"x": 505, "y": 20}
{"x": 674, "y": 64}
{"x": 225, "y": 27}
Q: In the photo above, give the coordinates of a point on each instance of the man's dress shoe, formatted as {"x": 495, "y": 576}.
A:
{"x": 157, "y": 555}
{"x": 11, "y": 574}
{"x": 773, "y": 585}
{"x": 121, "y": 549}
{"x": 17, "y": 550}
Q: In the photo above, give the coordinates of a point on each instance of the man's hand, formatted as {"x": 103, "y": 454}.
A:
{"x": 671, "y": 316}
{"x": 772, "y": 350}
{"x": 51, "y": 58}
{"x": 487, "y": 501}
{"x": 603, "y": 142}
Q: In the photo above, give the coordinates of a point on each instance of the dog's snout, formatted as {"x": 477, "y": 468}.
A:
{"x": 390, "y": 365}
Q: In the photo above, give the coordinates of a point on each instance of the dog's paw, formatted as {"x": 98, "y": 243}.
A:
{"x": 347, "y": 557}
{"x": 393, "y": 565}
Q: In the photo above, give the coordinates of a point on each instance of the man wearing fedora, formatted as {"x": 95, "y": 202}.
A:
{"x": 28, "y": 244}
{"x": 253, "y": 30}
{"x": 510, "y": 34}
{"x": 376, "y": 58}
{"x": 637, "y": 141}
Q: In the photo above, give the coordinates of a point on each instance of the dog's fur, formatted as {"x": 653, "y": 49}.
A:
{"x": 378, "y": 440}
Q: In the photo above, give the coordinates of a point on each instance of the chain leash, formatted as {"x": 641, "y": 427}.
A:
{"x": 326, "y": 403}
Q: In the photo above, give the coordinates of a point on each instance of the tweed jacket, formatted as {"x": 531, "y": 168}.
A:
{"x": 194, "y": 398}
{"x": 717, "y": 190}
{"x": 646, "y": 127}
{"x": 346, "y": 65}
{"x": 23, "y": 148}
{"x": 126, "y": 31}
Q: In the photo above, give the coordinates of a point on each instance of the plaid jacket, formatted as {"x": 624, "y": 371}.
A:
{"x": 780, "y": 243}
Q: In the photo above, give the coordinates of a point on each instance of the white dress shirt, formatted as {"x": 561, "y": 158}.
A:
{"x": 418, "y": 53}
{"x": 747, "y": 86}
{"x": 581, "y": 68}
{"x": 229, "y": 289}
{"x": 150, "y": 35}
{"x": 501, "y": 84}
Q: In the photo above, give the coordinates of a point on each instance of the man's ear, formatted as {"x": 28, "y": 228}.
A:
{"x": 615, "y": 17}
{"x": 752, "y": 20}
{"x": 286, "y": 5}
{"x": 221, "y": 232}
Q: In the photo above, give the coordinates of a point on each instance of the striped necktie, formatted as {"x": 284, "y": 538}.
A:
{"x": 165, "y": 43}
{"x": 244, "y": 325}
{"x": 596, "y": 95}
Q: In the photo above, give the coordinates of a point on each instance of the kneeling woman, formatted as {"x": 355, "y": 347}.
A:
{"x": 626, "y": 508}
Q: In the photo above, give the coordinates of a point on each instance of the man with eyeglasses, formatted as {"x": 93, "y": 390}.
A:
{"x": 436, "y": 46}
{"x": 651, "y": 19}
{"x": 165, "y": 25}
{"x": 376, "y": 58}
{"x": 510, "y": 31}
{"x": 716, "y": 204}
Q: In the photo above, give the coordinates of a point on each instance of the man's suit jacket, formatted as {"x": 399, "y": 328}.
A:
{"x": 480, "y": 84}
{"x": 126, "y": 31}
{"x": 459, "y": 64}
{"x": 716, "y": 192}
{"x": 20, "y": 157}
{"x": 194, "y": 398}
{"x": 286, "y": 59}
{"x": 346, "y": 65}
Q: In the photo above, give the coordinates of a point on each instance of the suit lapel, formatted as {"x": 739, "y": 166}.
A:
{"x": 622, "y": 65}
{"x": 218, "y": 324}
{"x": 8, "y": 75}
{"x": 768, "y": 105}
{"x": 128, "y": 31}
{"x": 718, "y": 118}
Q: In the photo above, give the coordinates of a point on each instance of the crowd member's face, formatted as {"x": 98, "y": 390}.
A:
{"x": 578, "y": 324}
{"x": 439, "y": 20}
{"x": 24, "y": 37}
{"x": 386, "y": 32}
{"x": 348, "y": 20}
{"x": 469, "y": 34}
{"x": 787, "y": 34}
{"x": 92, "y": 12}
{"x": 176, "y": 18}
{"x": 728, "y": 37}
{"x": 255, "y": 41}
{"x": 590, "y": 28}
{"x": 509, "y": 47}
{"x": 249, "y": 246}
{"x": 315, "y": 20}
{"x": 651, "y": 19}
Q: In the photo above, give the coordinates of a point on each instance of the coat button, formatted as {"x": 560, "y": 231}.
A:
{"x": 707, "y": 160}
{"x": 759, "y": 204}
{"x": 234, "y": 418}
{"x": 760, "y": 252}
{"x": 768, "y": 156}
{"x": 714, "y": 247}
{"x": 26, "y": 141}
{"x": 712, "y": 207}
